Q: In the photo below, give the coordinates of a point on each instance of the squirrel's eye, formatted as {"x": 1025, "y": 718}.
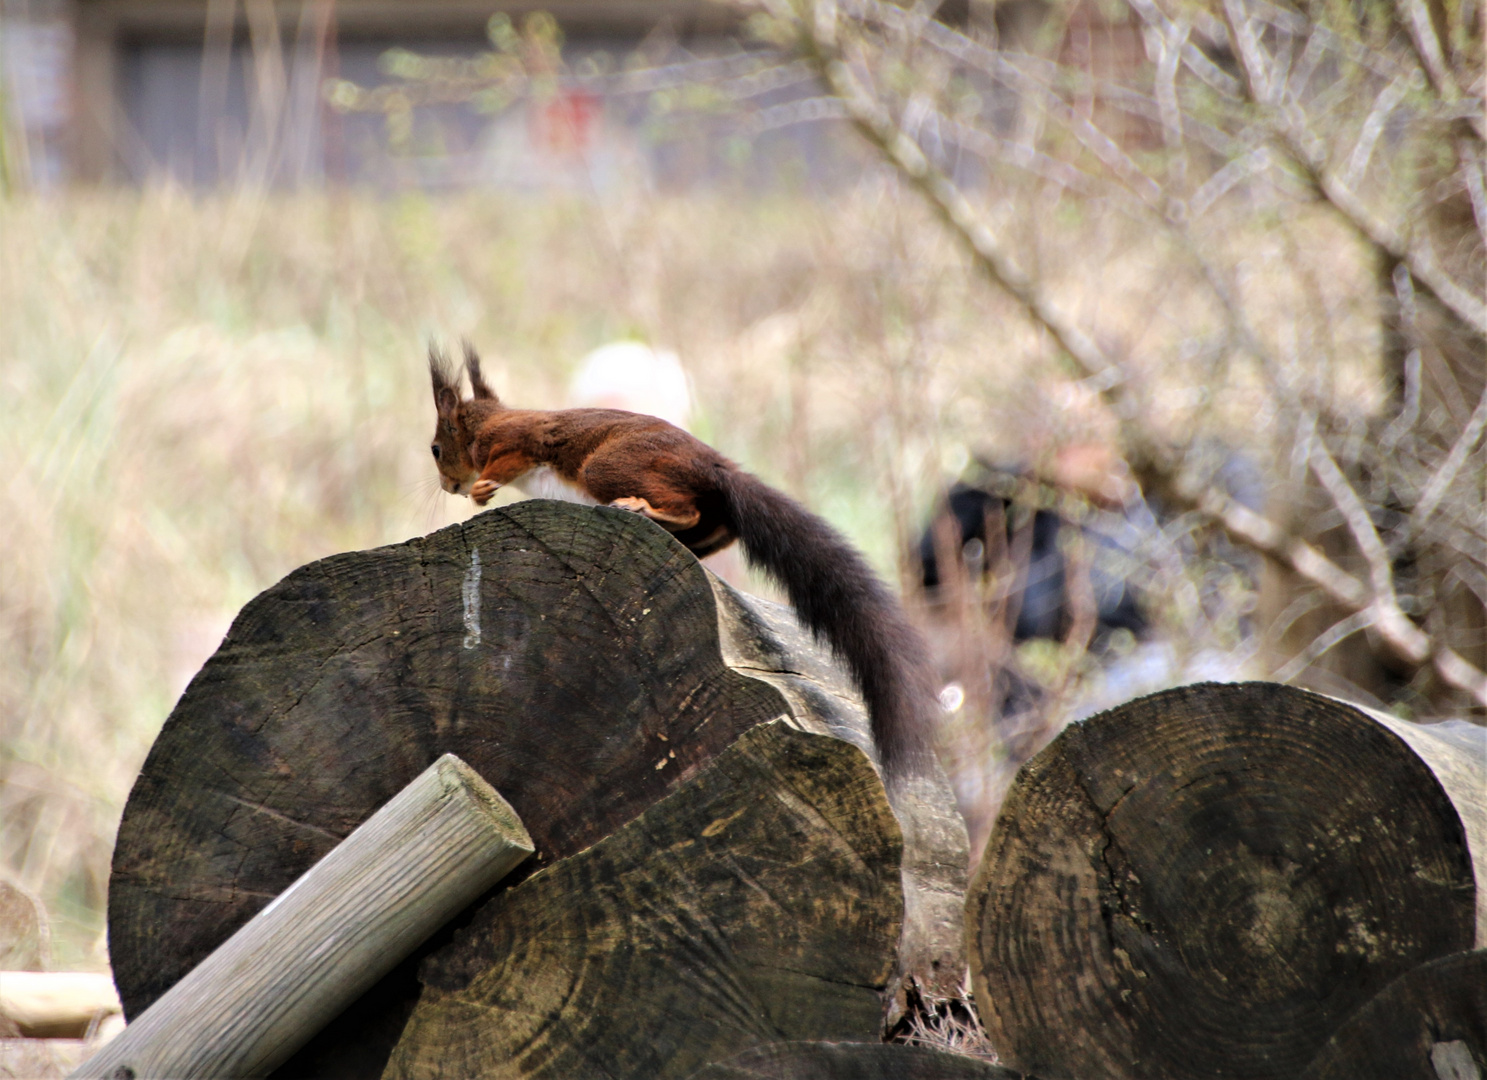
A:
{"x": 435, "y": 449}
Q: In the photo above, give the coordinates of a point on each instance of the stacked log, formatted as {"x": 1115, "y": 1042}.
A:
{"x": 1217, "y": 881}
{"x": 1429, "y": 1024}
{"x": 759, "y": 903}
{"x": 594, "y": 674}
{"x": 1209, "y": 881}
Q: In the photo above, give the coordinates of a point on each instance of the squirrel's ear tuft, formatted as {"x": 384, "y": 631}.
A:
{"x": 478, "y": 384}
{"x": 445, "y": 381}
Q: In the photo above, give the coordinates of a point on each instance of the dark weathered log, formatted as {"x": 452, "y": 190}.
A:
{"x": 765, "y": 641}
{"x": 1429, "y": 1024}
{"x": 1207, "y": 882}
{"x": 851, "y": 1061}
{"x": 760, "y": 901}
{"x": 570, "y": 655}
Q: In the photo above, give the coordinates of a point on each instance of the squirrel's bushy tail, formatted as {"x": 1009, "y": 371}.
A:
{"x": 842, "y": 601}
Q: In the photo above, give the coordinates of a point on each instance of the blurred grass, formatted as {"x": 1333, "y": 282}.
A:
{"x": 198, "y": 394}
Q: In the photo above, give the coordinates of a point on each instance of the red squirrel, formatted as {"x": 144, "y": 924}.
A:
{"x": 648, "y": 466}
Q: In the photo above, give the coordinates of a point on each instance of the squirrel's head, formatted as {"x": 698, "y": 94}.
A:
{"x": 455, "y": 425}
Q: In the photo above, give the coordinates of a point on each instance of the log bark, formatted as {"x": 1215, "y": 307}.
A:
{"x": 1456, "y": 753}
{"x": 572, "y": 656}
{"x": 1207, "y": 882}
{"x": 758, "y": 902}
{"x": 260, "y": 996}
{"x": 852, "y": 1061}
{"x": 1429, "y": 1024}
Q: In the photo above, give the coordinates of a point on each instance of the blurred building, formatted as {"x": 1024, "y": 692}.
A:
{"x": 210, "y": 92}
{"x": 225, "y": 92}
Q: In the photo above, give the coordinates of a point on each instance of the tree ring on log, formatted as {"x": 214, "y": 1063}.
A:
{"x": 758, "y": 902}
{"x": 1206, "y": 882}
{"x": 1429, "y": 1024}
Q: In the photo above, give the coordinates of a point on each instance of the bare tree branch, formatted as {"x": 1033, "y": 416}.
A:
{"x": 816, "y": 38}
{"x": 1441, "y": 480}
{"x": 874, "y": 121}
{"x": 1471, "y": 169}
{"x": 1306, "y": 149}
{"x": 1407, "y": 639}
{"x": 1427, "y": 46}
{"x": 1194, "y": 57}
{"x": 1324, "y": 642}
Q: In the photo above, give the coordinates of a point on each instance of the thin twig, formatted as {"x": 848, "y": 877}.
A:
{"x": 1471, "y": 173}
{"x": 1324, "y": 642}
{"x": 1427, "y": 46}
{"x": 1409, "y": 328}
{"x": 1407, "y": 639}
{"x": 1441, "y": 480}
{"x": 1368, "y": 136}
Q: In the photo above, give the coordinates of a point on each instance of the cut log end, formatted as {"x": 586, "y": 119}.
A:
{"x": 1206, "y": 882}
{"x": 758, "y": 902}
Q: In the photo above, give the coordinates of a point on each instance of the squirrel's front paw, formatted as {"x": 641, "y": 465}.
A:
{"x": 482, "y": 490}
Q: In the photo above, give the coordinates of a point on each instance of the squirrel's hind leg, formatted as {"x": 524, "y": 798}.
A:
{"x": 670, "y": 520}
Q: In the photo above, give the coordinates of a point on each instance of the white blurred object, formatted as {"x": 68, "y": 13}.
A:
{"x": 58, "y": 1004}
{"x": 952, "y": 697}
{"x": 632, "y": 376}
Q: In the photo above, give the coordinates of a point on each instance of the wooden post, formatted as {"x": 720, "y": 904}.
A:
{"x": 1206, "y": 882}
{"x": 436, "y": 846}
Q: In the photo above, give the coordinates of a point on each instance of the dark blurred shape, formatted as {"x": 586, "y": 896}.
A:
{"x": 980, "y": 524}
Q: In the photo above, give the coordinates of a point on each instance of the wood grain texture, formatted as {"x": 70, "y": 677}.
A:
{"x": 766, "y": 641}
{"x": 759, "y": 902}
{"x": 571, "y": 655}
{"x": 440, "y": 842}
{"x": 1429, "y": 1024}
{"x": 1456, "y": 752}
{"x": 1206, "y": 882}
{"x": 851, "y": 1061}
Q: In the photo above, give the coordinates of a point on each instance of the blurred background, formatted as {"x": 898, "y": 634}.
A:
{"x": 1137, "y": 341}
